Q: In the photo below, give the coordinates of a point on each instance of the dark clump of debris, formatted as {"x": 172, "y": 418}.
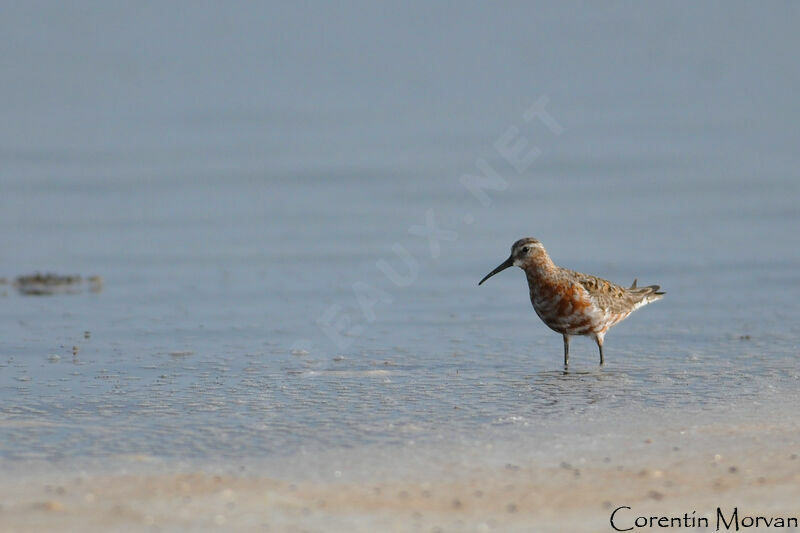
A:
{"x": 46, "y": 284}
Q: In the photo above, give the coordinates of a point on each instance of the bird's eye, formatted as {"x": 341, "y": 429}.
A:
{"x": 526, "y": 249}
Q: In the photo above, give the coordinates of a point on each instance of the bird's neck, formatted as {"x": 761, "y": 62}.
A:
{"x": 539, "y": 268}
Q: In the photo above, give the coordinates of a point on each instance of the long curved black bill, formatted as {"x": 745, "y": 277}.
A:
{"x": 504, "y": 265}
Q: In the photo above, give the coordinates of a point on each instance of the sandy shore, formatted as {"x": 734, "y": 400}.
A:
{"x": 669, "y": 471}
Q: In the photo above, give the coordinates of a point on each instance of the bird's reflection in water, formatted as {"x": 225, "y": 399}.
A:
{"x": 555, "y": 391}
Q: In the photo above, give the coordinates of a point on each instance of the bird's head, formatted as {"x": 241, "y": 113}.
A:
{"x": 523, "y": 253}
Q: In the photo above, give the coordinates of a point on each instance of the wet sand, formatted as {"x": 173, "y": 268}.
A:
{"x": 664, "y": 470}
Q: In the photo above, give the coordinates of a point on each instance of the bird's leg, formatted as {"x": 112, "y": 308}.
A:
{"x": 598, "y": 338}
{"x": 566, "y": 350}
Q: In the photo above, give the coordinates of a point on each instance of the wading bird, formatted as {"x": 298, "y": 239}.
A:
{"x": 572, "y": 303}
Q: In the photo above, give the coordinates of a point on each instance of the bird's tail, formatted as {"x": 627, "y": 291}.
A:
{"x": 645, "y": 295}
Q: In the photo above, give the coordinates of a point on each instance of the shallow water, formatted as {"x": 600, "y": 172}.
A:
{"x": 233, "y": 182}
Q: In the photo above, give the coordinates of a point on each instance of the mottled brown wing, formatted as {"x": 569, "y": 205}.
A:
{"x": 606, "y": 295}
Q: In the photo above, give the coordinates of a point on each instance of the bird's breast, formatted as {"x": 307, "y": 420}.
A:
{"x": 564, "y": 306}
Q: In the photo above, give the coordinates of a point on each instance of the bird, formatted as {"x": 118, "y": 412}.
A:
{"x": 572, "y": 303}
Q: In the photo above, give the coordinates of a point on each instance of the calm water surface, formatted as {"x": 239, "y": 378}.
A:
{"x": 236, "y": 177}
